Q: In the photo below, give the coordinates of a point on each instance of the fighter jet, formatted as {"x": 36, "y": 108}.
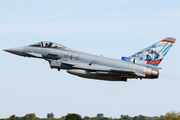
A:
{"x": 142, "y": 65}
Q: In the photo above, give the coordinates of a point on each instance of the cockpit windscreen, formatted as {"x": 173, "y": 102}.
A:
{"x": 47, "y": 44}
{"x": 36, "y": 45}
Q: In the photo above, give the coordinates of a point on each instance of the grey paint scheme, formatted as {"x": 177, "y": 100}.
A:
{"x": 89, "y": 65}
{"x": 86, "y": 59}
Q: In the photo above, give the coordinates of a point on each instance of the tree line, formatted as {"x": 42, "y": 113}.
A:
{"x": 50, "y": 116}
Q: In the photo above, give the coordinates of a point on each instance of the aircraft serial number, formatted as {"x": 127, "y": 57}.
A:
{"x": 71, "y": 57}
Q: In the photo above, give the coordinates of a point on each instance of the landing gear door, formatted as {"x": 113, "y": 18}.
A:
{"x": 55, "y": 64}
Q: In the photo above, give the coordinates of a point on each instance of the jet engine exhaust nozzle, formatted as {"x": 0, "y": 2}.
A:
{"x": 150, "y": 73}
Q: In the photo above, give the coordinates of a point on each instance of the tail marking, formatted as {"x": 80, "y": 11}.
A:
{"x": 155, "y": 53}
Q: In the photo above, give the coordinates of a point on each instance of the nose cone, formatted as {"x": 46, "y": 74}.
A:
{"x": 16, "y": 51}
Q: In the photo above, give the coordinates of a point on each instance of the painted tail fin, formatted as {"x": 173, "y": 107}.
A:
{"x": 155, "y": 53}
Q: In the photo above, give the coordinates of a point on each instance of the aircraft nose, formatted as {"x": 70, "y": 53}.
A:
{"x": 16, "y": 51}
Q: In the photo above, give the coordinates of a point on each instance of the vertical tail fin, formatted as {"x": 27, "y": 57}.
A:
{"x": 155, "y": 53}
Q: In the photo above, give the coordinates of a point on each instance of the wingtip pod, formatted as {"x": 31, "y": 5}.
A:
{"x": 169, "y": 40}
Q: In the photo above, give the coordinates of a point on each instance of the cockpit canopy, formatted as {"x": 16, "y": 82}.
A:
{"x": 47, "y": 44}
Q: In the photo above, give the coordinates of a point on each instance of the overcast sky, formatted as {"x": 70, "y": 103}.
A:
{"x": 112, "y": 28}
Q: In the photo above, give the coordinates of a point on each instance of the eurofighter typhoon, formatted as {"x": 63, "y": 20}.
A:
{"x": 142, "y": 65}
